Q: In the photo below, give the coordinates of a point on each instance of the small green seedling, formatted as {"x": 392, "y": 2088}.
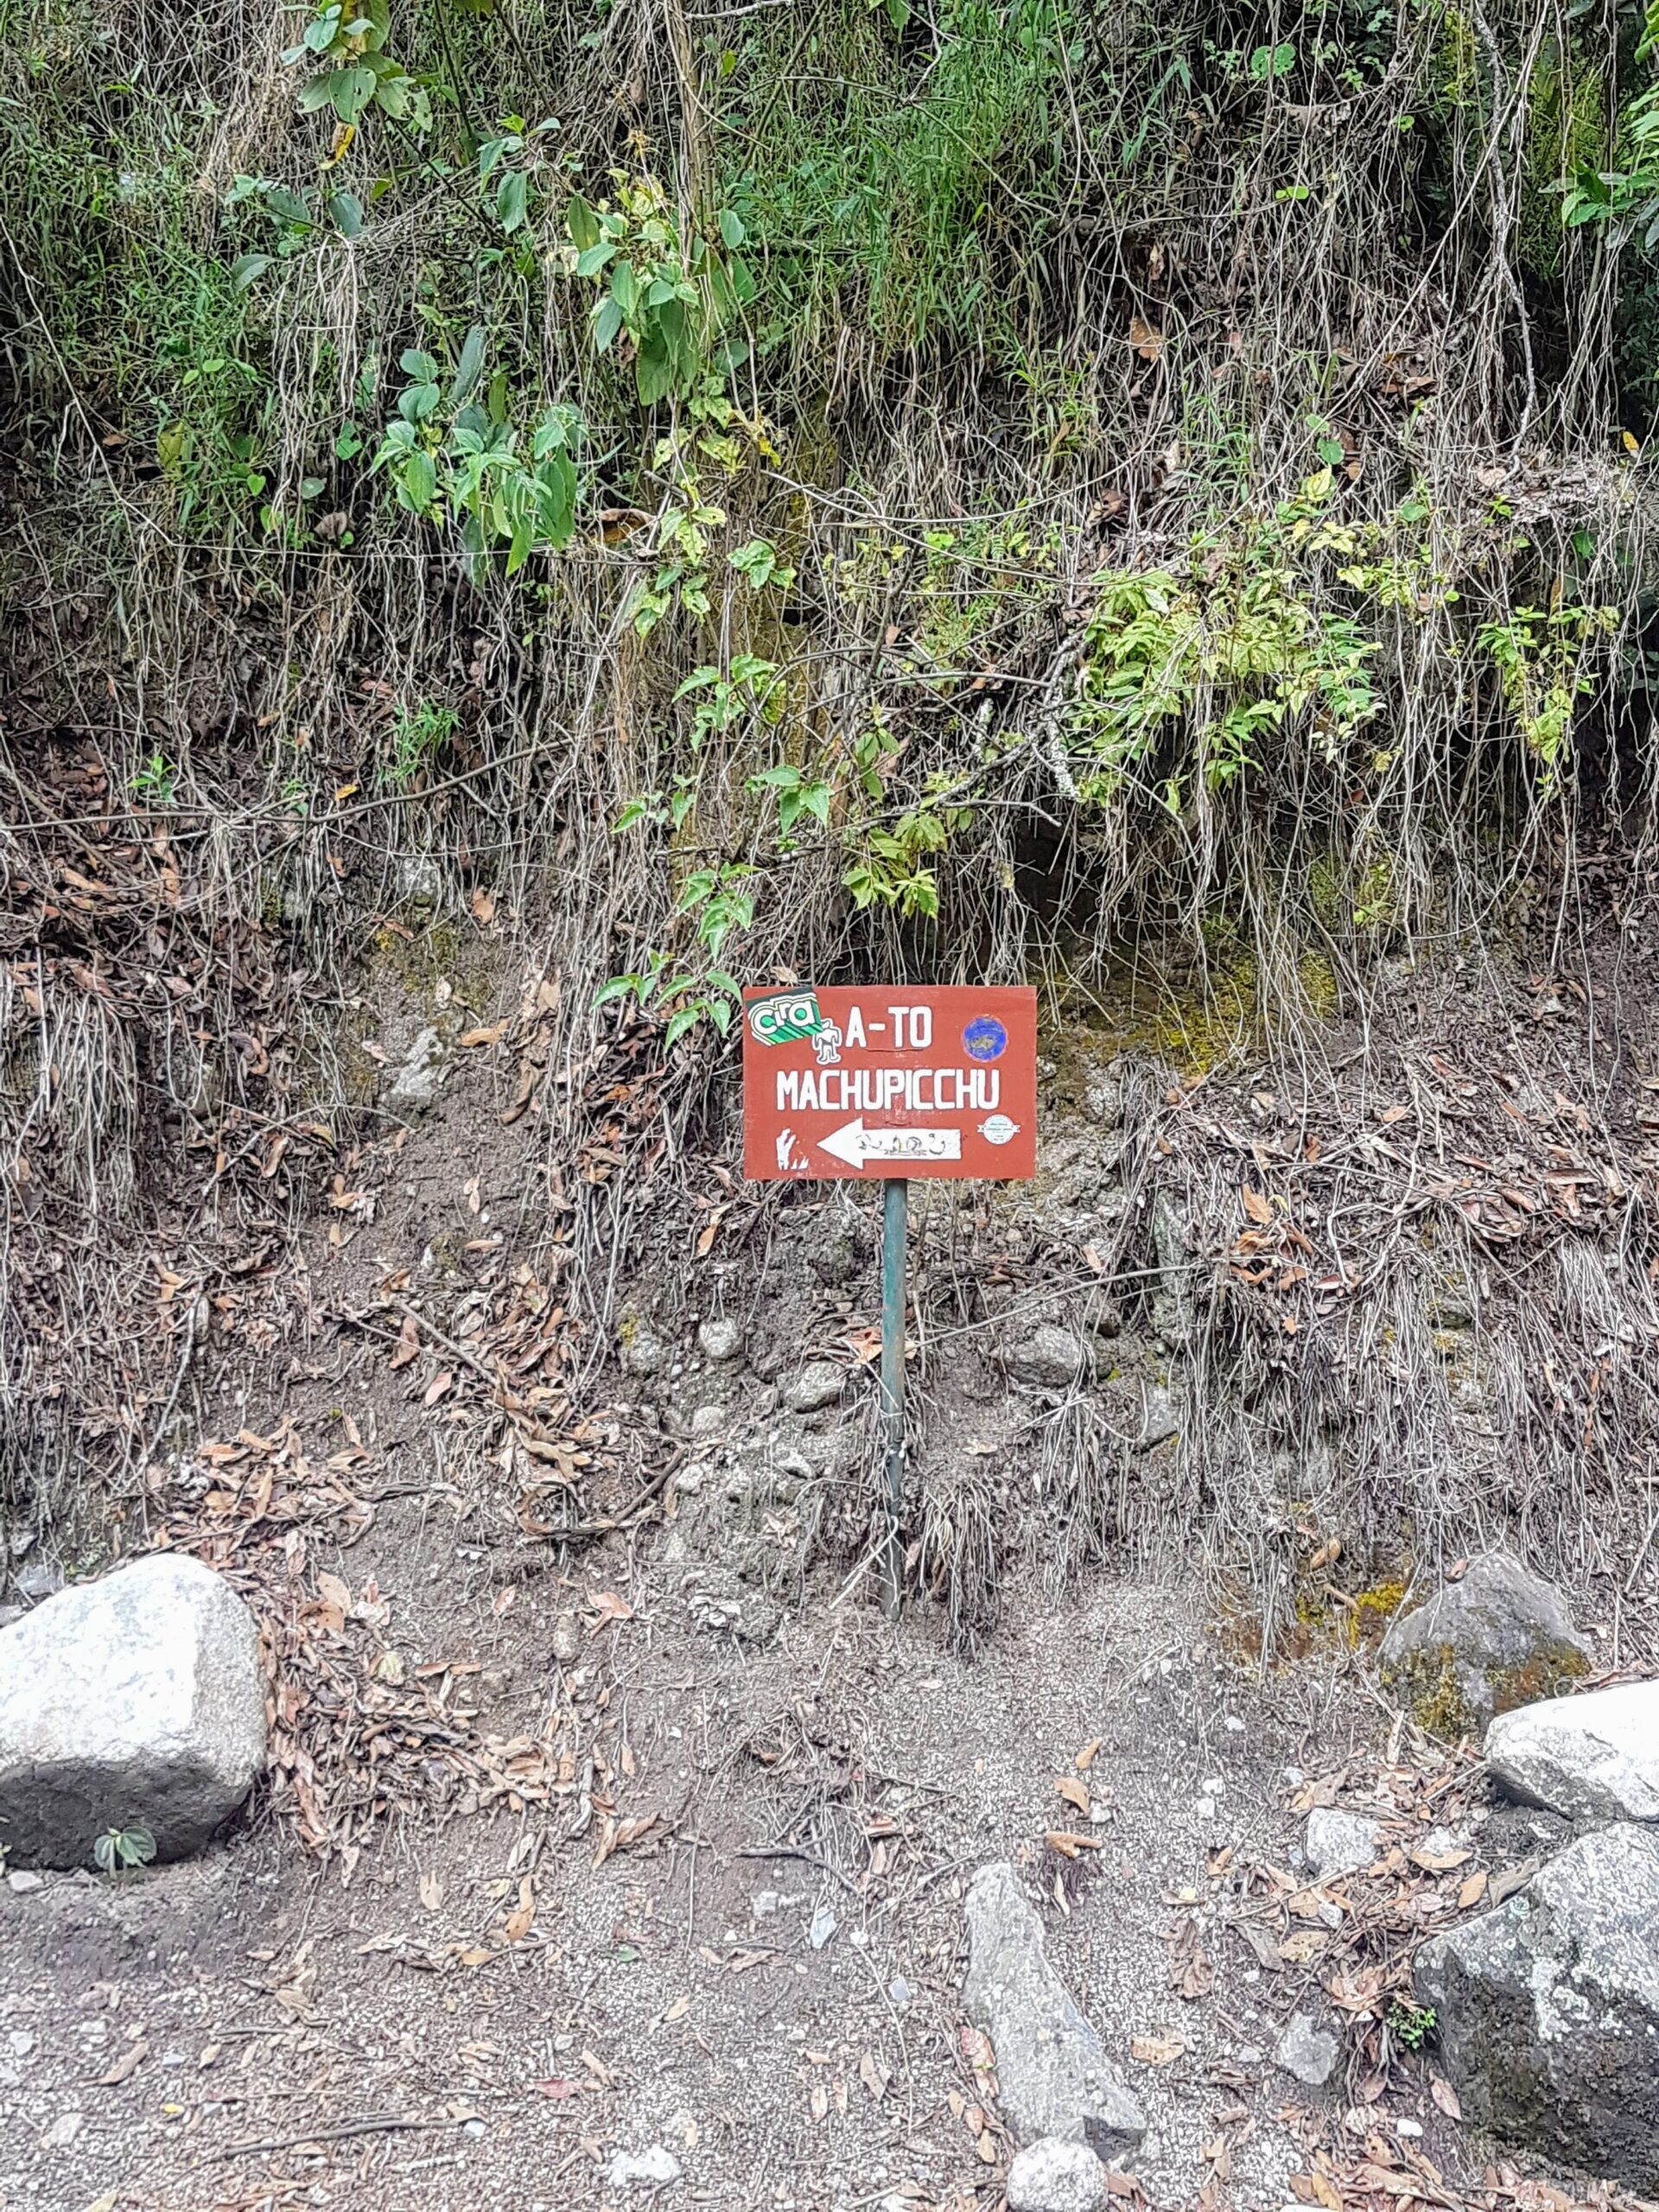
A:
{"x": 1411, "y": 2026}
{"x": 117, "y": 1850}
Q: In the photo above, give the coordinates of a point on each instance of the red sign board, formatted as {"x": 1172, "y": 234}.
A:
{"x": 883, "y": 1079}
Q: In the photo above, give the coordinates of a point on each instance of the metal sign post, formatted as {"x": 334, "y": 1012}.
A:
{"x": 868, "y": 1082}
{"x": 894, "y": 1230}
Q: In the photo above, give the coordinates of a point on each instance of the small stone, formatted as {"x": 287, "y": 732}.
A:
{"x": 1056, "y": 2078}
{"x": 420, "y": 878}
{"x": 707, "y": 1423}
{"x": 1590, "y": 1758}
{"x": 824, "y": 1926}
{"x": 20, "y": 2043}
{"x": 566, "y": 1639}
{"x": 644, "y": 1351}
{"x": 62, "y": 2131}
{"x": 900, "y": 1991}
{"x": 652, "y": 2169}
{"x": 1158, "y": 1419}
{"x": 818, "y": 1384}
{"x": 718, "y": 1338}
{"x": 1497, "y": 1638}
{"x": 24, "y": 1879}
{"x": 1049, "y": 1355}
{"x": 1339, "y": 1843}
{"x": 1307, "y": 2052}
{"x": 136, "y": 1699}
{"x": 417, "y": 1080}
{"x": 1055, "y": 2176}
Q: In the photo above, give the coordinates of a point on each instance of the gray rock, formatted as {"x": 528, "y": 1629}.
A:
{"x": 416, "y": 1081}
{"x": 1339, "y": 1843}
{"x": 1159, "y": 1421}
{"x": 38, "y": 1579}
{"x": 1055, "y": 2076}
{"x": 1547, "y": 2008}
{"x": 1053, "y": 2176}
{"x": 818, "y": 1384}
{"x": 707, "y": 1423}
{"x": 1173, "y": 1313}
{"x": 1307, "y": 2052}
{"x": 718, "y": 1338}
{"x": 420, "y": 879}
{"x": 138, "y": 1699}
{"x": 566, "y": 1639}
{"x": 1049, "y": 1355}
{"x": 652, "y": 2169}
{"x": 1590, "y": 1759}
{"x": 644, "y": 1351}
{"x": 1498, "y": 1639}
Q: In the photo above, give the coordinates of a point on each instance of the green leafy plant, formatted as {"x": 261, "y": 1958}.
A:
{"x": 670, "y": 297}
{"x": 751, "y": 685}
{"x": 1540, "y": 659}
{"x": 1627, "y": 194}
{"x": 345, "y": 46}
{"x": 719, "y": 901}
{"x": 296, "y": 221}
{"x": 452, "y": 457}
{"x": 155, "y": 783}
{"x": 893, "y": 871}
{"x": 509, "y": 169}
{"x": 119, "y": 1849}
{"x": 418, "y": 735}
{"x": 1411, "y": 2026}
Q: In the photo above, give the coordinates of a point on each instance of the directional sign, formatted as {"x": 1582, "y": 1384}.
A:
{"x": 884, "y": 1080}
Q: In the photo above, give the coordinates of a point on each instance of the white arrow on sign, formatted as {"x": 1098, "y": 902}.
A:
{"x": 855, "y": 1144}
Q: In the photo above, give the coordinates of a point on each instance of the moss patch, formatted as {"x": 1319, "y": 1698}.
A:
{"x": 1432, "y": 1684}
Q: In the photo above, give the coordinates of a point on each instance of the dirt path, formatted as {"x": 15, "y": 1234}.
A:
{"x": 764, "y": 1984}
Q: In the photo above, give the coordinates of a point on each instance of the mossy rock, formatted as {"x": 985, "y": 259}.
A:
{"x": 1499, "y": 1638}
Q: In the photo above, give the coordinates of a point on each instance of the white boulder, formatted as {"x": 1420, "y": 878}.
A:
{"x": 136, "y": 1700}
{"x": 1594, "y": 1757}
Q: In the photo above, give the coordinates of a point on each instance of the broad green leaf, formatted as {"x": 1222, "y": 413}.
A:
{"x": 513, "y": 200}
{"x": 607, "y": 320}
{"x": 469, "y": 368}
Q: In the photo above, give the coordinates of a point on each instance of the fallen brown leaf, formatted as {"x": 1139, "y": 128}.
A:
{"x": 1445, "y": 2097}
{"x": 1068, "y": 1845}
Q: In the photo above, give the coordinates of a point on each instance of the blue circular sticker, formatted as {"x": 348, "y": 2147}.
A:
{"x": 985, "y": 1038}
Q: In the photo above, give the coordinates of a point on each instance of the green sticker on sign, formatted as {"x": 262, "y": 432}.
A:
{"x": 784, "y": 1017}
